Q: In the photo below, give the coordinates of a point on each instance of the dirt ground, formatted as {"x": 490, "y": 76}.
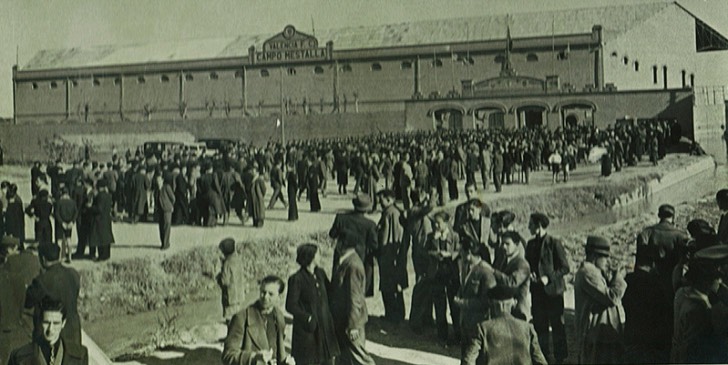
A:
{"x": 198, "y": 327}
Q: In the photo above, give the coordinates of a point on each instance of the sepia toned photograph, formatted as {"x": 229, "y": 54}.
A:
{"x": 345, "y": 182}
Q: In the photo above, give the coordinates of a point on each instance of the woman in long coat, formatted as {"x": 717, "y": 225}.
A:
{"x": 314, "y": 176}
{"x": 102, "y": 235}
{"x": 292, "y": 181}
{"x": 256, "y": 197}
{"x": 14, "y": 216}
{"x": 314, "y": 337}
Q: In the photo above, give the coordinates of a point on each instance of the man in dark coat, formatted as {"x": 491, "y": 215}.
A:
{"x": 392, "y": 258}
{"x": 547, "y": 260}
{"x": 349, "y": 308}
{"x": 59, "y": 283}
{"x": 84, "y": 198}
{"x": 164, "y": 208}
{"x": 207, "y": 197}
{"x": 417, "y": 227}
{"x": 497, "y": 168}
{"x": 181, "y": 211}
{"x": 353, "y": 228}
{"x": 66, "y": 213}
{"x": 512, "y": 273}
{"x": 309, "y": 289}
{"x": 140, "y": 184}
{"x": 256, "y": 334}
{"x": 48, "y": 344}
{"x": 102, "y": 235}
{"x": 41, "y": 209}
{"x": 256, "y": 197}
{"x": 669, "y": 241}
{"x": 647, "y": 334}
{"x": 14, "y": 330}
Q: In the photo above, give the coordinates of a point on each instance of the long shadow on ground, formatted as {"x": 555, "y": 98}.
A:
{"x": 201, "y": 355}
{"x": 402, "y": 336}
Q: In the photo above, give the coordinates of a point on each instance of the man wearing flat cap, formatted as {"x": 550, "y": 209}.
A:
{"x": 503, "y": 328}
{"x": 353, "y": 228}
{"x": 598, "y": 295}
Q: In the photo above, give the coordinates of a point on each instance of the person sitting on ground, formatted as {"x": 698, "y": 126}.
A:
{"x": 48, "y": 347}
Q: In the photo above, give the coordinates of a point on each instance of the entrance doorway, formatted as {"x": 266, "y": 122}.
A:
{"x": 448, "y": 119}
{"x": 532, "y": 116}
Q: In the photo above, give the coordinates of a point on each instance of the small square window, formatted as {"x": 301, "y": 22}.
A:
{"x": 346, "y": 67}
{"x": 117, "y": 81}
{"x": 54, "y": 85}
{"x": 188, "y": 77}
{"x": 164, "y": 78}
{"x": 376, "y": 66}
{"x": 406, "y": 65}
{"x": 264, "y": 73}
{"x": 318, "y": 70}
{"x": 141, "y": 80}
{"x": 291, "y": 71}
{"x": 238, "y": 74}
{"x": 96, "y": 82}
{"x": 213, "y": 76}
{"x": 35, "y": 86}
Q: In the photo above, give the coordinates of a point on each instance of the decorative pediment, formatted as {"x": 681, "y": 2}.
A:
{"x": 290, "y": 39}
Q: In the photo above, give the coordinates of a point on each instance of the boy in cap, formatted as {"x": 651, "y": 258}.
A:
{"x": 598, "y": 295}
{"x": 231, "y": 279}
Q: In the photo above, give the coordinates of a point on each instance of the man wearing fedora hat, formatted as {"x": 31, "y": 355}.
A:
{"x": 353, "y": 228}
{"x": 598, "y": 299}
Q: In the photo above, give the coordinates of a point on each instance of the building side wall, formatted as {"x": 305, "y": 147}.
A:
{"x": 667, "y": 39}
{"x": 710, "y": 120}
{"x": 44, "y": 102}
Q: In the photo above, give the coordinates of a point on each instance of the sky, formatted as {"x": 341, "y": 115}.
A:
{"x": 28, "y": 26}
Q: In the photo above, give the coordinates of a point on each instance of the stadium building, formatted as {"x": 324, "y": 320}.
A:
{"x": 591, "y": 65}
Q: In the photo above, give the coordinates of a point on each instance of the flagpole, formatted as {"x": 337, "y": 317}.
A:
{"x": 283, "y": 123}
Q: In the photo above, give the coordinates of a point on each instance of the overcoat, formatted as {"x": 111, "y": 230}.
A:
{"x": 354, "y": 229}
{"x": 314, "y": 336}
{"x": 599, "y": 316}
{"x": 392, "y": 258}
{"x": 101, "y": 231}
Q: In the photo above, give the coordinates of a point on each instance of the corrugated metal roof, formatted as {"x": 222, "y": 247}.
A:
{"x": 613, "y": 19}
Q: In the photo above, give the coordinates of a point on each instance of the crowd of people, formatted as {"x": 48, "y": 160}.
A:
{"x": 496, "y": 286}
{"x": 504, "y": 294}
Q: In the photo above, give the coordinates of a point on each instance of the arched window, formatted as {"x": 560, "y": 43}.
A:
{"x": 189, "y": 77}
{"x": 264, "y": 73}
{"x": 318, "y": 70}
{"x": 614, "y": 54}
{"x": 96, "y": 82}
{"x": 376, "y": 66}
{"x": 164, "y": 78}
{"x": 636, "y": 65}
{"x": 406, "y": 65}
{"x": 291, "y": 71}
{"x": 532, "y": 57}
{"x": 54, "y": 85}
{"x": 141, "y": 80}
{"x": 346, "y": 67}
{"x": 213, "y": 76}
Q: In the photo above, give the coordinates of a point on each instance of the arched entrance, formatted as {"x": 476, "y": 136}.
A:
{"x": 576, "y": 112}
{"x": 447, "y": 117}
{"x": 489, "y": 115}
{"x": 531, "y": 114}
